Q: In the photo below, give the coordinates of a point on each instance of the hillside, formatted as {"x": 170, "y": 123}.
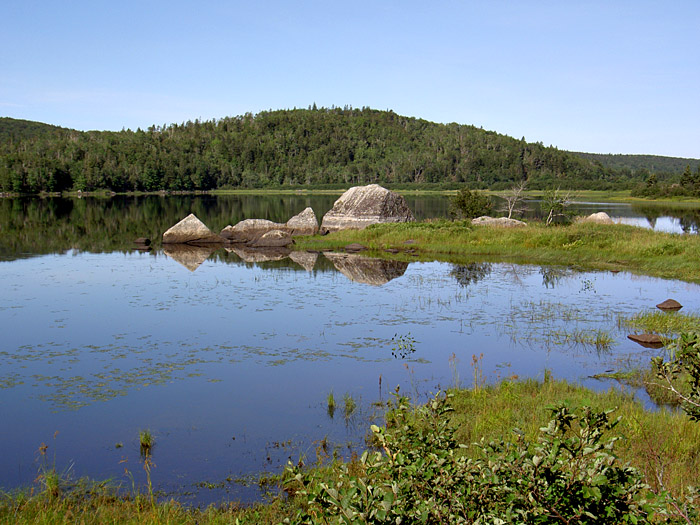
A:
{"x": 16, "y": 129}
{"x": 299, "y": 147}
{"x": 650, "y": 163}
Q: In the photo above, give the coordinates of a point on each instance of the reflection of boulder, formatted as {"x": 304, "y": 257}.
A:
{"x": 502, "y": 222}
{"x": 273, "y": 239}
{"x": 647, "y": 340}
{"x": 306, "y": 260}
{"x": 191, "y": 257}
{"x": 190, "y": 230}
{"x": 257, "y": 255}
{"x": 304, "y": 223}
{"x": 367, "y": 270}
{"x": 361, "y": 206}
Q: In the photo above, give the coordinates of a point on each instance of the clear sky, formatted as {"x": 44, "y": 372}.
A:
{"x": 611, "y": 76}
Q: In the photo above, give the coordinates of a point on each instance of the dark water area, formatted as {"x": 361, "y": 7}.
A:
{"x": 229, "y": 359}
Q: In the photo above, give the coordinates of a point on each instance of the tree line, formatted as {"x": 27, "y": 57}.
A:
{"x": 291, "y": 148}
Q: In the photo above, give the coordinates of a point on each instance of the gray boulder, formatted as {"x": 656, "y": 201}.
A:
{"x": 190, "y": 230}
{"x": 304, "y": 223}
{"x": 501, "y": 222}
{"x": 599, "y": 218}
{"x": 361, "y": 206}
{"x": 274, "y": 239}
{"x": 250, "y": 230}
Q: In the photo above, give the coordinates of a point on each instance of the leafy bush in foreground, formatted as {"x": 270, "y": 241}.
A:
{"x": 423, "y": 475}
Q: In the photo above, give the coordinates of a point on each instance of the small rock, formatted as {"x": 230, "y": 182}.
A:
{"x": 274, "y": 239}
{"x": 647, "y": 340}
{"x": 391, "y": 250}
{"x": 502, "y": 222}
{"x": 599, "y": 218}
{"x": 409, "y": 241}
{"x": 143, "y": 241}
{"x": 669, "y": 304}
{"x": 355, "y": 247}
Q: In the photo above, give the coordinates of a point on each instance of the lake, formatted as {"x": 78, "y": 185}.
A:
{"x": 229, "y": 363}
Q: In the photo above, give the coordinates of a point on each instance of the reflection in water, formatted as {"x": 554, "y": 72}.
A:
{"x": 367, "y": 270}
{"x": 259, "y": 255}
{"x": 189, "y": 256}
{"x": 467, "y": 274}
{"x": 306, "y": 260}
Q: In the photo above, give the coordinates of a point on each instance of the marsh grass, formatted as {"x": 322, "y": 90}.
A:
{"x": 349, "y": 405}
{"x": 664, "y": 445}
{"x": 146, "y": 442}
{"x": 667, "y": 323}
{"x": 330, "y": 404}
{"x": 600, "y": 339}
{"x": 599, "y": 246}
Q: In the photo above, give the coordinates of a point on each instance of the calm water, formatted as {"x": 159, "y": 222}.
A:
{"x": 229, "y": 363}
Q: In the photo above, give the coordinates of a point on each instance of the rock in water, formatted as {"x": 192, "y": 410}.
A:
{"x": 669, "y": 304}
{"x": 502, "y": 222}
{"x": 304, "y": 223}
{"x": 647, "y": 340}
{"x": 190, "y": 230}
{"x": 250, "y": 230}
{"x": 361, "y": 206}
{"x": 306, "y": 260}
{"x": 600, "y": 218}
{"x": 274, "y": 239}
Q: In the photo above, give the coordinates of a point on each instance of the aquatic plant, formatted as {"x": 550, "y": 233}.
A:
{"x": 147, "y": 441}
{"x": 668, "y": 323}
{"x": 349, "y": 405}
{"x": 403, "y": 345}
{"x": 330, "y": 404}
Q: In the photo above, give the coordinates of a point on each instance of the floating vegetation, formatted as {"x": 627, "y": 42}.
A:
{"x": 403, "y": 345}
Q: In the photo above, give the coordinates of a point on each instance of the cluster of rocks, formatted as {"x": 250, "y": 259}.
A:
{"x": 655, "y": 340}
{"x": 357, "y": 208}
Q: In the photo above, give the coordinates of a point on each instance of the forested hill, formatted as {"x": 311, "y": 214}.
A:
{"x": 15, "y": 129}
{"x": 650, "y": 163}
{"x": 299, "y": 147}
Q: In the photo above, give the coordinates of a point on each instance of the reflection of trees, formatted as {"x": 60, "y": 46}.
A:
{"x": 689, "y": 218}
{"x": 472, "y": 273}
{"x": 553, "y": 275}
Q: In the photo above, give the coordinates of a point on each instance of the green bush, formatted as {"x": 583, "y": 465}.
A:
{"x": 469, "y": 204}
{"x": 422, "y": 475}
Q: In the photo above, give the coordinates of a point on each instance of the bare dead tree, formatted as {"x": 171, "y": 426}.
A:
{"x": 514, "y": 199}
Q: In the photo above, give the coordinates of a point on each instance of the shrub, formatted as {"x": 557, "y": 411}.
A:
{"x": 469, "y": 204}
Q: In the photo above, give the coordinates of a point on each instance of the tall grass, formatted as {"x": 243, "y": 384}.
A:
{"x": 667, "y": 323}
{"x": 601, "y": 246}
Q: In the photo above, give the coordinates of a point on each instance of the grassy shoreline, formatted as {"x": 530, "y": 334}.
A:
{"x": 593, "y": 246}
{"x": 664, "y": 447}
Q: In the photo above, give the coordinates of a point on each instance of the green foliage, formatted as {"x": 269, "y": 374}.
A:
{"x": 423, "y": 476}
{"x": 555, "y": 204}
{"x": 291, "y": 148}
{"x": 685, "y": 360}
{"x": 469, "y": 204}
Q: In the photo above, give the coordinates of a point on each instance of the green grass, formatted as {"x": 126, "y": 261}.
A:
{"x": 349, "y": 406}
{"x": 595, "y": 246}
{"x": 147, "y": 441}
{"x": 667, "y": 323}
{"x": 330, "y": 402}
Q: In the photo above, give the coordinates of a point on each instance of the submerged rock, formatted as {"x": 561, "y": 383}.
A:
{"x": 355, "y": 247}
{"x": 647, "y": 340}
{"x": 305, "y": 223}
{"x": 367, "y": 270}
{"x": 361, "y": 206}
{"x": 501, "y": 222}
{"x": 190, "y": 230}
{"x": 669, "y": 304}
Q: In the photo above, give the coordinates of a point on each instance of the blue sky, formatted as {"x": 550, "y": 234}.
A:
{"x": 599, "y": 76}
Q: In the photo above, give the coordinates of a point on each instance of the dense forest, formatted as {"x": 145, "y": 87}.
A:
{"x": 292, "y": 148}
